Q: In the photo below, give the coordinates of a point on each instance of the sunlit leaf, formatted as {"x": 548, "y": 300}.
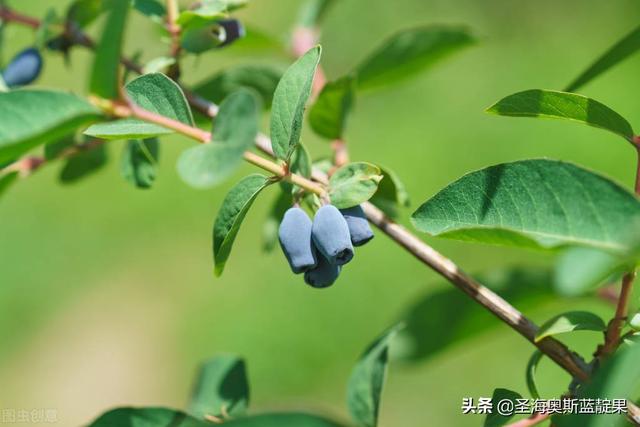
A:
{"x": 232, "y": 212}
{"x": 549, "y": 104}
{"x": 353, "y": 184}
{"x": 569, "y": 322}
{"x": 532, "y": 203}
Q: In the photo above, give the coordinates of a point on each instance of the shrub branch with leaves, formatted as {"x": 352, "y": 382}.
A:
{"x": 541, "y": 204}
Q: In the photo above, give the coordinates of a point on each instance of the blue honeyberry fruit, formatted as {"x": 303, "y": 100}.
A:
{"x": 331, "y": 236}
{"x": 233, "y": 30}
{"x": 324, "y": 275}
{"x": 295, "y": 240}
{"x": 358, "y": 225}
{"x": 23, "y": 69}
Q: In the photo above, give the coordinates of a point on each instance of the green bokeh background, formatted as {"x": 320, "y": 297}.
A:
{"x": 106, "y": 292}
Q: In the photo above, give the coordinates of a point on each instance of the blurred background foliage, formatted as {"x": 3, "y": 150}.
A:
{"x": 107, "y": 295}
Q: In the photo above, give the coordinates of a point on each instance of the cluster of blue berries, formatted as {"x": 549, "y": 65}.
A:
{"x": 320, "y": 248}
{"x": 23, "y": 69}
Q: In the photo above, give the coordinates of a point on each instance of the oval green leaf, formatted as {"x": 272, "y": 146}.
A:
{"x": 410, "y": 52}
{"x": 364, "y": 391}
{"x": 495, "y": 418}
{"x": 289, "y": 102}
{"x": 353, "y": 184}
{"x": 232, "y": 212}
{"x": 32, "y": 117}
{"x": 84, "y": 164}
{"x": 549, "y": 104}
{"x": 391, "y": 193}
{"x": 616, "y": 54}
{"x": 328, "y": 115}
{"x": 260, "y": 78}
{"x": 221, "y": 388}
{"x": 235, "y": 129}
{"x": 532, "y": 203}
{"x": 153, "y": 92}
{"x": 569, "y": 322}
{"x": 139, "y": 160}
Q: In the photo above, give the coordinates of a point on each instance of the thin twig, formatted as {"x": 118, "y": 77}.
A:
{"x": 174, "y": 29}
{"x": 531, "y": 421}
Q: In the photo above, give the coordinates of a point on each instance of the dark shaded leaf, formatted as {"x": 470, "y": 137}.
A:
{"x": 84, "y": 164}
{"x": 262, "y": 79}
{"x": 409, "y": 52}
{"x": 612, "y": 57}
{"x": 364, "y": 391}
{"x": 328, "y": 115}
{"x": 495, "y": 419}
{"x": 139, "y": 160}
{"x": 221, "y": 388}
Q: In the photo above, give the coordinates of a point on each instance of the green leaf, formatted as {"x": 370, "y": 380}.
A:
{"x": 353, "y": 184}
{"x": 221, "y": 388}
{"x": 139, "y": 160}
{"x": 105, "y": 75}
{"x": 532, "y": 203}
{"x": 391, "y": 193}
{"x": 410, "y": 52}
{"x": 532, "y": 367}
{"x": 157, "y": 65}
{"x": 6, "y": 181}
{"x": 155, "y": 93}
{"x": 49, "y": 28}
{"x": 84, "y": 164}
{"x": 569, "y": 322}
{"x": 617, "y": 378}
{"x": 147, "y": 417}
{"x": 495, "y": 419}
{"x": 289, "y": 102}
{"x": 55, "y": 149}
{"x": 364, "y": 391}
{"x": 579, "y": 270}
{"x": 150, "y": 8}
{"x": 163, "y": 417}
{"x": 313, "y": 12}
{"x": 328, "y": 115}
{"x": 440, "y": 320}
{"x": 83, "y": 12}
{"x": 234, "y": 208}
{"x": 235, "y": 130}
{"x": 616, "y": 54}
{"x": 549, "y": 104}
{"x": 32, "y": 117}
{"x": 262, "y": 79}
{"x": 300, "y": 164}
{"x": 209, "y": 10}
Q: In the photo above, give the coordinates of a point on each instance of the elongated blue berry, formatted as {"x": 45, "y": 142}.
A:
{"x": 324, "y": 275}
{"x": 23, "y": 69}
{"x": 358, "y": 225}
{"x": 233, "y": 30}
{"x": 295, "y": 240}
{"x": 330, "y": 234}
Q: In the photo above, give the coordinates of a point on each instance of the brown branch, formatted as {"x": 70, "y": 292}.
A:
{"x": 531, "y": 421}
{"x": 174, "y": 31}
{"x": 9, "y": 15}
